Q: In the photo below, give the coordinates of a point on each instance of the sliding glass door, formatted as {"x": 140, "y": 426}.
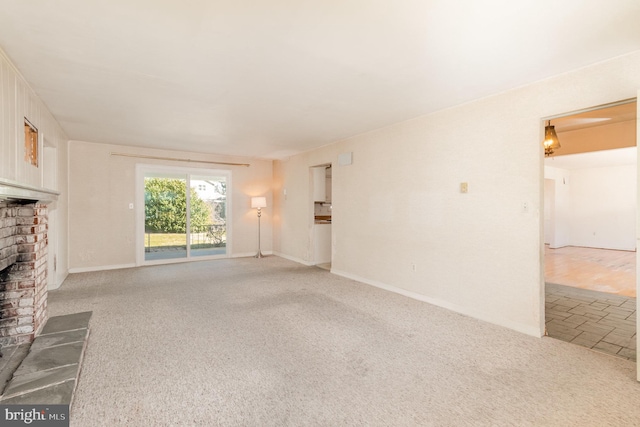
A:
{"x": 184, "y": 213}
{"x": 165, "y": 216}
{"x": 208, "y": 229}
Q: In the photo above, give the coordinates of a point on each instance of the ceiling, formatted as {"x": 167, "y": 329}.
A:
{"x": 272, "y": 79}
{"x": 606, "y": 115}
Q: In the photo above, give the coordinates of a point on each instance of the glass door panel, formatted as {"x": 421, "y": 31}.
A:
{"x": 165, "y": 208}
{"x": 208, "y": 213}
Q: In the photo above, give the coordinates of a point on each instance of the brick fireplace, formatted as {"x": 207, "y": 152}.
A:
{"x": 23, "y": 270}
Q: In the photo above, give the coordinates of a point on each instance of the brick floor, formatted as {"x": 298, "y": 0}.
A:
{"x": 601, "y": 321}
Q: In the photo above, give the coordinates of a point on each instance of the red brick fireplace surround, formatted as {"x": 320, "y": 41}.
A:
{"x": 23, "y": 261}
{"x": 23, "y": 271}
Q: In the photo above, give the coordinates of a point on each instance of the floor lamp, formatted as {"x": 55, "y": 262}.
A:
{"x": 259, "y": 203}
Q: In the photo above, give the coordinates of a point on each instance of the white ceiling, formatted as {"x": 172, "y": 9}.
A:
{"x": 274, "y": 78}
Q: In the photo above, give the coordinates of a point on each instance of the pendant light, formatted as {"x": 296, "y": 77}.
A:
{"x": 550, "y": 142}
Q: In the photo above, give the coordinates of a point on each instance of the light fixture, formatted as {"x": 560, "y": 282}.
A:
{"x": 550, "y": 142}
{"x": 259, "y": 203}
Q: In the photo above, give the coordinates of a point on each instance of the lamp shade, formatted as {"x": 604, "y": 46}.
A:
{"x": 258, "y": 202}
{"x": 551, "y": 142}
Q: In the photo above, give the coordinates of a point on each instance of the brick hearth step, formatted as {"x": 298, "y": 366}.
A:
{"x": 49, "y": 373}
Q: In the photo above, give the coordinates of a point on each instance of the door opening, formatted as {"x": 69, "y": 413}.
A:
{"x": 590, "y": 215}
{"x": 184, "y": 214}
{"x": 322, "y": 192}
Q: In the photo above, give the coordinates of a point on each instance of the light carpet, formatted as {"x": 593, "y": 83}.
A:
{"x": 268, "y": 342}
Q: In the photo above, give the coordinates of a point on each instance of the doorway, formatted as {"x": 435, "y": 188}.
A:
{"x": 590, "y": 214}
{"x": 183, "y": 214}
{"x": 322, "y": 209}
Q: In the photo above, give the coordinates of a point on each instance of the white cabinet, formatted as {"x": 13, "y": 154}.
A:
{"x": 328, "y": 190}
{"x": 322, "y": 243}
{"x": 319, "y": 184}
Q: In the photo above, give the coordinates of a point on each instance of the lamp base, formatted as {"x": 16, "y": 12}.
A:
{"x": 259, "y": 255}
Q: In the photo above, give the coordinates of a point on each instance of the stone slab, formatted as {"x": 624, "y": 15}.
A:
{"x": 583, "y": 342}
{"x": 595, "y": 328}
{"x": 628, "y": 353}
{"x": 618, "y": 324}
{"x": 7, "y": 353}
{"x": 607, "y": 348}
{"x": 51, "y": 357}
{"x": 11, "y": 359}
{"x": 49, "y": 372}
{"x": 67, "y": 322}
{"x": 576, "y": 319}
{"x": 55, "y": 339}
{"x": 567, "y": 302}
{"x": 58, "y": 394}
{"x": 621, "y": 340}
{"x": 37, "y": 380}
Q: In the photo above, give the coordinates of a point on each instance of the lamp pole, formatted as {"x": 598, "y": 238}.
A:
{"x": 259, "y": 203}
{"x": 259, "y": 254}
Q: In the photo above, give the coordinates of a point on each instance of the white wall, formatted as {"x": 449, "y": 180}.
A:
{"x": 594, "y": 199}
{"x": 102, "y": 232}
{"x": 17, "y": 101}
{"x": 399, "y": 203}
{"x": 549, "y": 209}
{"x": 603, "y": 205}
{"x": 561, "y": 208}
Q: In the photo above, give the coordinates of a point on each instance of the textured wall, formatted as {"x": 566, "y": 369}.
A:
{"x": 400, "y": 221}
{"x": 102, "y": 232}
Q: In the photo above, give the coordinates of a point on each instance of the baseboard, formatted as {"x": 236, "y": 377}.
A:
{"x": 496, "y": 320}
{"x": 294, "y": 259}
{"x": 100, "y": 268}
{"x": 59, "y": 280}
{"x": 121, "y": 266}
{"x": 250, "y": 254}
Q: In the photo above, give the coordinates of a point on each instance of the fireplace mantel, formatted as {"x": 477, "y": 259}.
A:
{"x": 12, "y": 190}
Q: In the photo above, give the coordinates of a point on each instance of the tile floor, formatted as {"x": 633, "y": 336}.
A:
{"x": 597, "y": 320}
{"x": 590, "y": 298}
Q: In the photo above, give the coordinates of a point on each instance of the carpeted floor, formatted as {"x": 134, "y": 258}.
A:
{"x": 268, "y": 342}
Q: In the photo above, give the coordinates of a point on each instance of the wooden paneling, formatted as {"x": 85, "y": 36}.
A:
{"x": 8, "y": 117}
{"x": 17, "y": 101}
